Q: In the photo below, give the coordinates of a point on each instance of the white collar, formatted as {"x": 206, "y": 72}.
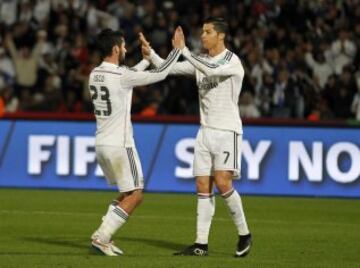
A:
{"x": 220, "y": 55}
{"x": 108, "y": 64}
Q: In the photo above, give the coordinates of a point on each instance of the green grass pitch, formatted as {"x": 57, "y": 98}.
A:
{"x": 48, "y": 228}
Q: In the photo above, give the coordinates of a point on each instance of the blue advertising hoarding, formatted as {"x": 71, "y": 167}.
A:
{"x": 275, "y": 160}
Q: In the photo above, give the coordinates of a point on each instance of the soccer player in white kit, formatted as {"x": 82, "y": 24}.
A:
{"x": 219, "y": 76}
{"x": 111, "y": 87}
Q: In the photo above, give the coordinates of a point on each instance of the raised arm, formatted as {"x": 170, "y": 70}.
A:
{"x": 310, "y": 60}
{"x": 40, "y": 43}
{"x": 145, "y": 62}
{"x": 9, "y": 43}
{"x": 141, "y": 78}
{"x": 179, "y": 68}
{"x": 141, "y": 65}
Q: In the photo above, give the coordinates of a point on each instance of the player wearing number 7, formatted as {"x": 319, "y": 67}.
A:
{"x": 219, "y": 76}
{"x": 111, "y": 87}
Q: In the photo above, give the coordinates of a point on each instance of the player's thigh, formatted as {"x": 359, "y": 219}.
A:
{"x": 133, "y": 174}
{"x": 109, "y": 159}
{"x": 226, "y": 149}
{"x": 121, "y": 166}
{"x": 202, "y": 156}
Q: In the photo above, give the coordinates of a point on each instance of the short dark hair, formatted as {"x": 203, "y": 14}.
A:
{"x": 107, "y": 39}
{"x": 220, "y": 24}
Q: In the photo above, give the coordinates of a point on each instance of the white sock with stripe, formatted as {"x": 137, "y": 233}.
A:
{"x": 233, "y": 200}
{"x": 205, "y": 213}
{"x": 113, "y": 205}
{"x": 113, "y": 220}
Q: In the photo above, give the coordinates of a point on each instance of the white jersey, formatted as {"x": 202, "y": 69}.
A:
{"x": 111, "y": 92}
{"x": 219, "y": 80}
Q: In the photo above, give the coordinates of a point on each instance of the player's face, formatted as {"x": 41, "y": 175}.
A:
{"x": 121, "y": 51}
{"x": 210, "y": 37}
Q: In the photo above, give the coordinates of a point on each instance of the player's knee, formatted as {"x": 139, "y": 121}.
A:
{"x": 138, "y": 196}
{"x": 202, "y": 187}
{"x": 223, "y": 186}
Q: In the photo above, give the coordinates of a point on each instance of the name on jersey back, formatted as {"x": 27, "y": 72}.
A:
{"x": 99, "y": 78}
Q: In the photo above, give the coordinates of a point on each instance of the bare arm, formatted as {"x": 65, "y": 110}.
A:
{"x": 41, "y": 39}
{"x": 11, "y": 46}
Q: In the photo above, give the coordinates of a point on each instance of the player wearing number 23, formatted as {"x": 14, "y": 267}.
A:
{"x": 111, "y": 87}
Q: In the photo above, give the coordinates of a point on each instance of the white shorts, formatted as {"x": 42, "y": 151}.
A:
{"x": 121, "y": 166}
{"x": 217, "y": 149}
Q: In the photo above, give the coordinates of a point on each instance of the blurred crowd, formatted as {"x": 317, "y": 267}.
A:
{"x": 301, "y": 58}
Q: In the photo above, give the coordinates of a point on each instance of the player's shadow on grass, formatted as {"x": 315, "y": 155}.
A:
{"x": 58, "y": 242}
{"x": 85, "y": 244}
{"x": 78, "y": 244}
{"x": 155, "y": 242}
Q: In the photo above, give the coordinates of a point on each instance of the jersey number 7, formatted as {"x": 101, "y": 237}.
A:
{"x": 104, "y": 96}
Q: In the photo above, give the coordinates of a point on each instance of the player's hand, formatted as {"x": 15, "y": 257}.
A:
{"x": 143, "y": 40}
{"x": 145, "y": 51}
{"x": 145, "y": 47}
{"x": 178, "y": 40}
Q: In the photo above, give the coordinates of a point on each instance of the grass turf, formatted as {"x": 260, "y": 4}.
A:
{"x": 48, "y": 228}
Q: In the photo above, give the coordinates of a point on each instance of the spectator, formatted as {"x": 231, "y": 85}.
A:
{"x": 26, "y": 11}
{"x": 9, "y": 101}
{"x": 270, "y": 37}
{"x": 7, "y": 71}
{"x": 247, "y": 106}
{"x": 42, "y": 11}
{"x": 321, "y": 69}
{"x": 119, "y": 8}
{"x": 26, "y": 62}
{"x": 8, "y": 10}
{"x": 259, "y": 66}
{"x": 287, "y": 98}
{"x": 343, "y": 50}
{"x": 265, "y": 95}
{"x": 50, "y": 98}
{"x": 343, "y": 103}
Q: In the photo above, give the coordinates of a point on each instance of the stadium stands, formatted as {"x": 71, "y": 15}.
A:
{"x": 301, "y": 58}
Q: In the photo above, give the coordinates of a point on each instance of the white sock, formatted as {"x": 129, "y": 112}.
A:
{"x": 233, "y": 200}
{"x": 113, "y": 220}
{"x": 113, "y": 205}
{"x": 205, "y": 213}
